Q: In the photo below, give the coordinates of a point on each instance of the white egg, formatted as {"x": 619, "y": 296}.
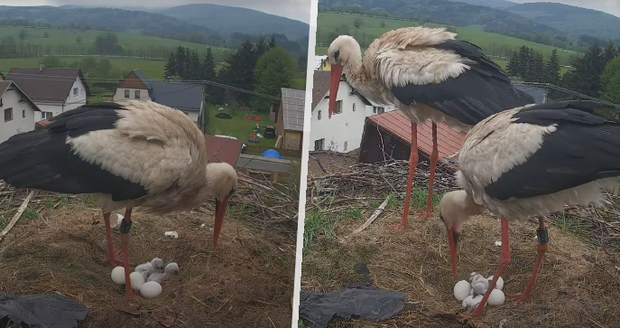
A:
{"x": 497, "y": 297}
{"x": 150, "y": 289}
{"x": 118, "y": 275}
{"x": 461, "y": 290}
{"x": 499, "y": 284}
{"x": 136, "y": 279}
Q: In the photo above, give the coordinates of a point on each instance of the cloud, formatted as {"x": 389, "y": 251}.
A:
{"x": 608, "y": 6}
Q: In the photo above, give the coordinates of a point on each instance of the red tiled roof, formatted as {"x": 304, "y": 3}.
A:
{"x": 449, "y": 139}
{"x": 320, "y": 86}
{"x": 222, "y": 150}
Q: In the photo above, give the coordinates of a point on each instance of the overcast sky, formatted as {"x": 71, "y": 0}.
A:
{"x": 608, "y": 6}
{"x": 294, "y": 9}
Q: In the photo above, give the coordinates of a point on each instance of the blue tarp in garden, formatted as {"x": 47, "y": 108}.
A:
{"x": 272, "y": 153}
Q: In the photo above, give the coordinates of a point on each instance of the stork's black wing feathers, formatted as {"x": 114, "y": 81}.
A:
{"x": 474, "y": 95}
{"x": 42, "y": 159}
{"x": 584, "y": 148}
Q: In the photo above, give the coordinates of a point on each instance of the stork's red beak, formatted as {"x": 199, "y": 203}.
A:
{"x": 453, "y": 239}
{"x": 334, "y": 82}
{"x": 220, "y": 212}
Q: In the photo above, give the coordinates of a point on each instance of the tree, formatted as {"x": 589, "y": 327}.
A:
{"x": 194, "y": 67}
{"x": 274, "y": 70}
{"x": 239, "y": 70}
{"x": 51, "y": 62}
{"x": 78, "y": 39}
{"x": 88, "y": 65}
{"x": 610, "y": 52}
{"x": 552, "y": 68}
{"x": 358, "y": 23}
{"x": 260, "y": 47}
{"x": 514, "y": 65}
{"x": 586, "y": 75}
{"x": 104, "y": 68}
{"x": 46, "y": 35}
{"x": 537, "y": 74}
{"x": 382, "y": 24}
{"x": 107, "y": 44}
{"x": 272, "y": 42}
{"x": 610, "y": 81}
{"x": 22, "y": 34}
{"x": 208, "y": 73}
{"x": 170, "y": 65}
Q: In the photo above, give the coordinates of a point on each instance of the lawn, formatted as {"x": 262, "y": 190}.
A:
{"x": 491, "y": 43}
{"x": 238, "y": 126}
{"x": 128, "y": 40}
{"x": 153, "y": 69}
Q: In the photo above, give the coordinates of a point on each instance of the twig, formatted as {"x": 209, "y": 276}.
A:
{"x": 373, "y": 217}
{"x": 318, "y": 161}
{"x": 17, "y": 215}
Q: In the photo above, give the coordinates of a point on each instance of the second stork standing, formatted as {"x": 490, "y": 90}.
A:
{"x": 427, "y": 74}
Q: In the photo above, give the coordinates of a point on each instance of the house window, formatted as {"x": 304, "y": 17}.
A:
{"x": 46, "y": 115}
{"x": 137, "y": 94}
{"x": 318, "y": 115}
{"x": 374, "y": 109}
{"x": 75, "y": 91}
{"x": 319, "y": 144}
{"x": 23, "y": 113}
{"x": 338, "y": 108}
{"x": 380, "y": 110}
{"x": 353, "y": 106}
{"x": 8, "y": 114}
{"x": 126, "y": 93}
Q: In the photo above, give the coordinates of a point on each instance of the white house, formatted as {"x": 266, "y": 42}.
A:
{"x": 186, "y": 97}
{"x": 343, "y": 131}
{"x": 17, "y": 110}
{"x": 53, "y": 90}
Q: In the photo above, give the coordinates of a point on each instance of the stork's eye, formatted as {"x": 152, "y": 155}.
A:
{"x": 336, "y": 54}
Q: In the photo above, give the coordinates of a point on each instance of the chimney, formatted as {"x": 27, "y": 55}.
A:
{"x": 41, "y": 67}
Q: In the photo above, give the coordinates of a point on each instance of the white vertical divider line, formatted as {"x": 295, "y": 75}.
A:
{"x": 303, "y": 183}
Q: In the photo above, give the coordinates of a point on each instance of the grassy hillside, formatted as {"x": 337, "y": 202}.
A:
{"x": 128, "y": 40}
{"x": 332, "y": 24}
{"x": 571, "y": 19}
{"x": 228, "y": 19}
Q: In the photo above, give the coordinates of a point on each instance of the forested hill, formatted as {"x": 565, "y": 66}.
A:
{"x": 571, "y": 19}
{"x": 227, "y": 19}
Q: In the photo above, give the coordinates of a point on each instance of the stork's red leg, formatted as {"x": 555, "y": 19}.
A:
{"x": 125, "y": 227}
{"x": 413, "y": 161}
{"x": 543, "y": 239}
{"x": 112, "y": 256}
{"x": 504, "y": 261}
{"x": 434, "y": 155}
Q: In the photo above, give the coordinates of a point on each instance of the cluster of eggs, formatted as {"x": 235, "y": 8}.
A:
{"x": 147, "y": 277}
{"x": 471, "y": 292}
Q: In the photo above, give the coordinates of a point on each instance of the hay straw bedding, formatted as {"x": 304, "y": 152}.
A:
{"x": 246, "y": 282}
{"x": 578, "y": 285}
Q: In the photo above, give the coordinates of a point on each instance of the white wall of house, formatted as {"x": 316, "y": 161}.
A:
{"x": 75, "y": 99}
{"x": 143, "y": 94}
{"x": 343, "y": 132}
{"x": 192, "y": 116}
{"x": 21, "y": 117}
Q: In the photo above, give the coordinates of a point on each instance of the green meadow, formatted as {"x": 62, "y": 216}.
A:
{"x": 373, "y": 27}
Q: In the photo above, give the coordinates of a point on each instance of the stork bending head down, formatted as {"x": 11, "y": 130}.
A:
{"x": 137, "y": 154}
{"x": 532, "y": 161}
{"x": 427, "y": 74}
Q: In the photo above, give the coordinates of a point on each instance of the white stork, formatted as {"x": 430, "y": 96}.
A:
{"x": 427, "y": 74}
{"x": 137, "y": 154}
{"x": 531, "y": 161}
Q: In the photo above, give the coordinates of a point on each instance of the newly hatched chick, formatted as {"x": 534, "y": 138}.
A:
{"x": 170, "y": 269}
{"x": 479, "y": 284}
{"x": 157, "y": 263}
